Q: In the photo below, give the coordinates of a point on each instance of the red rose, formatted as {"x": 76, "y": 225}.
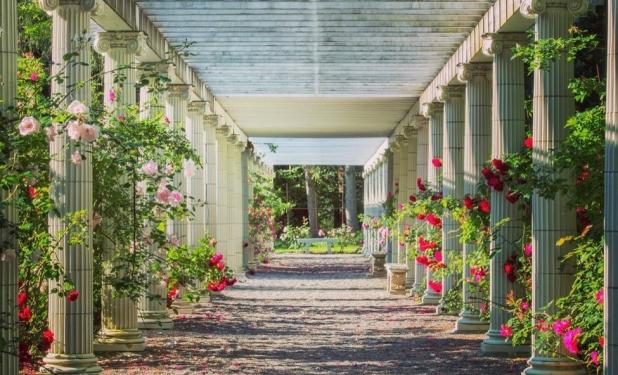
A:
{"x": 412, "y": 198}
{"x": 419, "y": 183}
{"x": 437, "y": 162}
{"x": 434, "y": 220}
{"x": 423, "y": 260}
{"x": 512, "y": 196}
{"x": 528, "y": 142}
{"x": 25, "y": 314}
{"x": 436, "y": 196}
{"x": 73, "y": 295}
{"x": 486, "y": 172}
{"x": 22, "y": 297}
{"x": 484, "y": 206}
{"x": 496, "y": 183}
{"x": 32, "y": 192}
{"x": 213, "y": 287}
{"x": 501, "y": 166}
{"x": 436, "y": 286}
{"x": 420, "y": 217}
{"x": 215, "y": 259}
{"x": 468, "y": 202}
{"x": 221, "y": 266}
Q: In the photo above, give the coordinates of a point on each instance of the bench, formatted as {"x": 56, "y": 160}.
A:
{"x": 307, "y": 242}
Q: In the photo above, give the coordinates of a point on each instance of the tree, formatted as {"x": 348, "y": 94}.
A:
{"x": 312, "y": 202}
{"x": 351, "y": 216}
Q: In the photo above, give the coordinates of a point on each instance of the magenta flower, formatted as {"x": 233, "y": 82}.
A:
{"x": 599, "y": 296}
{"x": 570, "y": 340}
{"x": 111, "y": 95}
{"x": 34, "y": 76}
{"x": 506, "y": 331}
{"x": 560, "y": 326}
{"x": 528, "y": 250}
{"x": 595, "y": 358}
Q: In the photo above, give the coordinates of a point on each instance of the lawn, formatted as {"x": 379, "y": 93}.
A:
{"x": 320, "y": 248}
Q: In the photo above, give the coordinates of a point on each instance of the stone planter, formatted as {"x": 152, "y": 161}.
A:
{"x": 396, "y": 278}
{"x": 377, "y": 265}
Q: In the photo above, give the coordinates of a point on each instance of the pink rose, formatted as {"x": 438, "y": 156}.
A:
{"x": 150, "y": 168}
{"x": 89, "y": 132}
{"x": 162, "y": 195}
{"x": 77, "y": 108}
{"x": 175, "y": 198}
{"x": 51, "y": 133}
{"x": 28, "y": 125}
{"x": 34, "y": 76}
{"x": 74, "y": 130}
{"x": 76, "y": 157}
{"x": 111, "y": 96}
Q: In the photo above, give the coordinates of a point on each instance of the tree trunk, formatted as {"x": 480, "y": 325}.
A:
{"x": 351, "y": 215}
{"x": 312, "y": 203}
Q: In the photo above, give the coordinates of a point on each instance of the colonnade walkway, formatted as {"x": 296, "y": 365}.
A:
{"x": 304, "y": 314}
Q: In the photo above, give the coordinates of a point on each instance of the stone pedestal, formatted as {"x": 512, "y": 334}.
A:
{"x": 179, "y": 305}
{"x": 552, "y": 219}
{"x": 71, "y": 190}
{"x": 378, "y": 265}
{"x": 396, "y": 278}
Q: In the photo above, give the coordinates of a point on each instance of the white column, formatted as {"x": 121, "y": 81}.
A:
{"x": 477, "y": 150}
{"x": 152, "y": 305}
{"x": 177, "y": 99}
{"x": 411, "y": 134}
{"x": 196, "y": 185}
{"x": 403, "y": 194}
{"x": 222, "y": 190}
{"x": 610, "y": 363}
{"x": 9, "y": 329}
{"x": 452, "y": 175}
{"x": 435, "y": 113}
{"x": 210, "y": 171}
{"x": 552, "y": 219}
{"x": 71, "y": 190}
{"x": 394, "y": 188}
{"x": 507, "y": 134}
{"x": 421, "y": 171}
{"x": 119, "y": 330}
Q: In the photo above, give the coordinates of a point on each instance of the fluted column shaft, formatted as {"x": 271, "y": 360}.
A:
{"x": 410, "y": 183}
{"x": 222, "y": 192}
{"x": 118, "y": 315}
{"x": 552, "y": 219}
{"x": 246, "y": 196}
{"x": 196, "y": 185}
{"x": 452, "y": 178}
{"x": 152, "y": 305}
{"x": 9, "y": 329}
{"x": 477, "y": 150}
{"x": 210, "y": 173}
{"x": 421, "y": 171}
{"x": 402, "y": 198}
{"x": 507, "y": 136}
{"x": 71, "y": 191}
{"x": 435, "y": 113}
{"x": 610, "y": 365}
{"x": 177, "y": 99}
{"x": 395, "y": 188}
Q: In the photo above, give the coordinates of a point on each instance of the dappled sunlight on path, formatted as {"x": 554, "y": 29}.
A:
{"x": 304, "y": 314}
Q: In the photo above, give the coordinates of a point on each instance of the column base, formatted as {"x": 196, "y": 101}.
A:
{"x": 553, "y": 366}
{"x": 430, "y": 299}
{"x": 495, "y": 345}
{"x": 70, "y": 364}
{"x": 125, "y": 340}
{"x": 470, "y": 323}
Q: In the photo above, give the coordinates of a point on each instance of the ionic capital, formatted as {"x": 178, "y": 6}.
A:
{"x": 179, "y": 91}
{"x": 496, "y": 43}
{"x": 223, "y": 129}
{"x": 409, "y": 131}
{"x": 446, "y": 93}
{"x": 131, "y": 42}
{"x": 232, "y": 137}
{"x": 85, "y": 5}
{"x": 211, "y": 120}
{"x": 465, "y": 72}
{"x": 197, "y": 106}
{"x": 531, "y": 8}
{"x": 428, "y": 109}
{"x": 418, "y": 121}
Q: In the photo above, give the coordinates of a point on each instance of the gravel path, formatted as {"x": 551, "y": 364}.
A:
{"x": 304, "y": 314}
